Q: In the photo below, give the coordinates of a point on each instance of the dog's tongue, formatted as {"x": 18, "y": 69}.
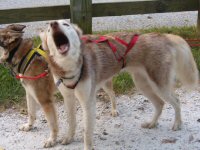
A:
{"x": 63, "y": 48}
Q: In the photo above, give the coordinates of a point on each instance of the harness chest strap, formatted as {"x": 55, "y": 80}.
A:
{"x": 27, "y": 58}
{"x": 26, "y": 61}
{"x": 33, "y": 78}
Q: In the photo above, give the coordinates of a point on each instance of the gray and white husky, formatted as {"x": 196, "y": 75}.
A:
{"x": 80, "y": 68}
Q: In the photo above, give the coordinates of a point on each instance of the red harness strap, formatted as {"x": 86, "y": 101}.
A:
{"x": 193, "y": 42}
{"x": 119, "y": 58}
{"x": 32, "y": 78}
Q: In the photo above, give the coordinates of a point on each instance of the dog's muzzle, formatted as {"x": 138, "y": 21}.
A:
{"x": 60, "y": 39}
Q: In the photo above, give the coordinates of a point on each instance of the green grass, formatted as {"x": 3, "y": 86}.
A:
{"x": 12, "y": 91}
{"x": 123, "y": 83}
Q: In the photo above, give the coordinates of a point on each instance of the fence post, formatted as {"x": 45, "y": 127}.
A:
{"x": 81, "y": 14}
{"x": 198, "y": 19}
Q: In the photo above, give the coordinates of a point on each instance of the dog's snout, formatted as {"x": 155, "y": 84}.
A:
{"x": 54, "y": 25}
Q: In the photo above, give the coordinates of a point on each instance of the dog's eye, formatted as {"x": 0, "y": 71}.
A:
{"x": 65, "y": 24}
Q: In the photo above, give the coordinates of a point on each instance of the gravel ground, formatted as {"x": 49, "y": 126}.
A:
{"x": 120, "y": 133}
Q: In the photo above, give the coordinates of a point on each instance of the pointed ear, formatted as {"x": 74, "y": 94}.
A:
{"x": 43, "y": 37}
{"x": 16, "y": 27}
{"x": 78, "y": 30}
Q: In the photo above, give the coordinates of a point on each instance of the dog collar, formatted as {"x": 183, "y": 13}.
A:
{"x": 28, "y": 58}
{"x": 72, "y": 86}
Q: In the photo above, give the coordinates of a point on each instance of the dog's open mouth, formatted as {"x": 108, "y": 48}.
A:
{"x": 61, "y": 42}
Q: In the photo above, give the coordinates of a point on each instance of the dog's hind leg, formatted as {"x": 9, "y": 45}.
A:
{"x": 108, "y": 88}
{"x": 170, "y": 97}
{"x": 31, "y": 105}
{"x": 144, "y": 83}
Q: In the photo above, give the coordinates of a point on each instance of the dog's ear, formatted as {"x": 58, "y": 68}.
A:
{"x": 10, "y": 36}
{"x": 16, "y": 27}
{"x": 78, "y": 30}
{"x": 43, "y": 37}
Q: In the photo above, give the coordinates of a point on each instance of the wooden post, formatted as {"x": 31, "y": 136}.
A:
{"x": 198, "y": 19}
{"x": 81, "y": 14}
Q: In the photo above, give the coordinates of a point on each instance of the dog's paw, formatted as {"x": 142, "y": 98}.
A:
{"x": 49, "y": 143}
{"x": 149, "y": 125}
{"x": 177, "y": 126}
{"x": 25, "y": 127}
{"x": 114, "y": 113}
{"x": 66, "y": 140}
{"x": 88, "y": 148}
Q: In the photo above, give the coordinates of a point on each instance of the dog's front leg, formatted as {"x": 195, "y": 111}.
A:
{"x": 50, "y": 115}
{"x": 31, "y": 105}
{"x": 85, "y": 93}
{"x": 70, "y": 103}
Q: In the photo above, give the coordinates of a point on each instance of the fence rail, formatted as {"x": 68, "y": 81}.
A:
{"x": 82, "y": 11}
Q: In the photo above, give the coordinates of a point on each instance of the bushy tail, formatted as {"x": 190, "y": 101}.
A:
{"x": 187, "y": 71}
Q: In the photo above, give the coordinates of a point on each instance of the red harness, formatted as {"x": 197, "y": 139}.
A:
{"x": 193, "y": 42}
{"x": 119, "y": 58}
{"x": 42, "y": 75}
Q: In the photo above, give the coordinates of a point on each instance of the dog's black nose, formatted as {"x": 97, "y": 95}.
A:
{"x": 54, "y": 25}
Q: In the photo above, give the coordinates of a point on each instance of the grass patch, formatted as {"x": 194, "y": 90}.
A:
{"x": 11, "y": 90}
{"x": 185, "y": 32}
{"x": 123, "y": 83}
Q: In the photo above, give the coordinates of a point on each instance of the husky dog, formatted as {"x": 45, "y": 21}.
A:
{"x": 80, "y": 67}
{"x": 15, "y": 50}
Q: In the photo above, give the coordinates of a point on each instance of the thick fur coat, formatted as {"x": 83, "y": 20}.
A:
{"x": 155, "y": 62}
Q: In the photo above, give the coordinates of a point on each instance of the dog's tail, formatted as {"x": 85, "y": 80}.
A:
{"x": 186, "y": 68}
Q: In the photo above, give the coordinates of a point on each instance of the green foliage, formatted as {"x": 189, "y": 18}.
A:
{"x": 11, "y": 90}
{"x": 37, "y": 41}
{"x": 185, "y": 32}
{"x": 123, "y": 83}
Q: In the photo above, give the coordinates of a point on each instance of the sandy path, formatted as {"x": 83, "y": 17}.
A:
{"x": 120, "y": 133}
